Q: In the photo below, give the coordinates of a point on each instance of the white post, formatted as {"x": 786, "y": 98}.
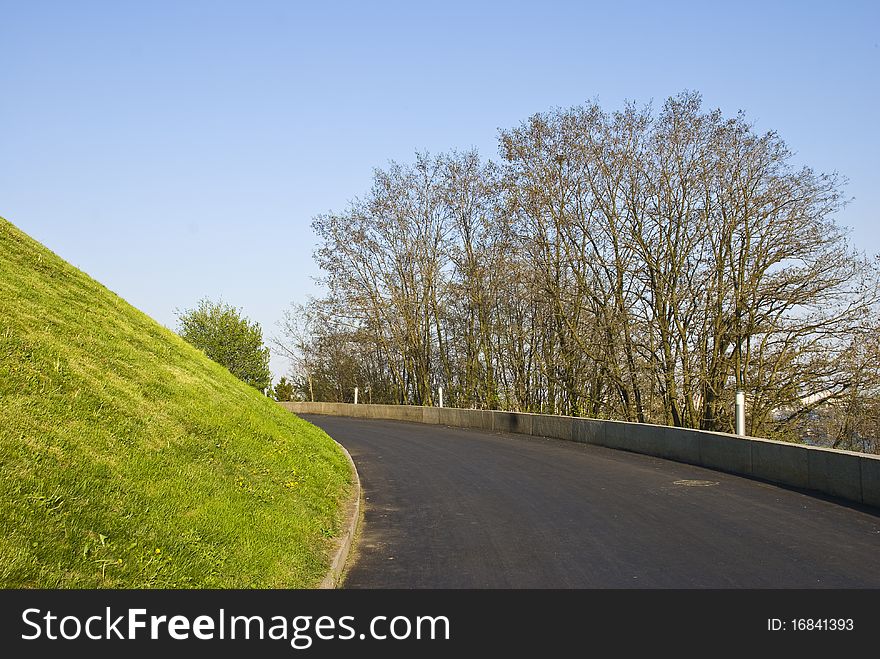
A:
{"x": 740, "y": 413}
{"x": 355, "y": 395}
{"x": 441, "y": 396}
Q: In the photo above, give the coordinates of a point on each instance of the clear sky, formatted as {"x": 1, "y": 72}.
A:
{"x": 175, "y": 150}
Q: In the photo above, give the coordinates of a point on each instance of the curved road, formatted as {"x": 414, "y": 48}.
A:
{"x": 455, "y": 508}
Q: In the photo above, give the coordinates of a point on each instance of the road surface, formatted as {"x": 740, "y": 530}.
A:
{"x": 456, "y": 508}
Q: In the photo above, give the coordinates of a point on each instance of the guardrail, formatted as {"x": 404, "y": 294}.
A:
{"x": 844, "y": 474}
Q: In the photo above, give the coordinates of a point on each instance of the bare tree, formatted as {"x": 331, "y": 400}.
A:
{"x": 638, "y": 264}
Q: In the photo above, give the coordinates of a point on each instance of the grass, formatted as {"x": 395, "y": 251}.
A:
{"x": 128, "y": 459}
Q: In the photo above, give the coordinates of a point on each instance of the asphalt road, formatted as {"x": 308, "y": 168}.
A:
{"x": 455, "y": 508}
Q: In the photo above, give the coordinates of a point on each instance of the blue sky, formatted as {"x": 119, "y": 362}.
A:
{"x": 175, "y": 150}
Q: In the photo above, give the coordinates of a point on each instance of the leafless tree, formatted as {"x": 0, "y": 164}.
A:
{"x": 637, "y": 264}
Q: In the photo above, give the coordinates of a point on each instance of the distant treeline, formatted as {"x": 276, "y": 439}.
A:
{"x": 639, "y": 265}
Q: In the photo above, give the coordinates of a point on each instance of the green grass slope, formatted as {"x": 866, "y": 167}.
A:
{"x": 128, "y": 459}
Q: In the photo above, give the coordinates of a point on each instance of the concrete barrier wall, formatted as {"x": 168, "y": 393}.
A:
{"x": 851, "y": 476}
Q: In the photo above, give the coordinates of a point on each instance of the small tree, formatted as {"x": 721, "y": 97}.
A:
{"x": 284, "y": 390}
{"x": 229, "y": 339}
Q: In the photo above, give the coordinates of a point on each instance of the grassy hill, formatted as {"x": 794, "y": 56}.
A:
{"x": 128, "y": 459}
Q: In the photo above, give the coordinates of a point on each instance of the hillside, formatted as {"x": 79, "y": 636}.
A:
{"x": 128, "y": 459}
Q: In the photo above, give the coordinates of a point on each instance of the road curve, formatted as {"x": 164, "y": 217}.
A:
{"x": 454, "y": 508}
